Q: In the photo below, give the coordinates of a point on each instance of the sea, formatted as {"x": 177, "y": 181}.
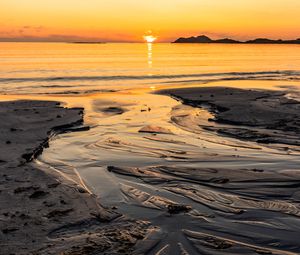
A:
{"x": 70, "y": 68}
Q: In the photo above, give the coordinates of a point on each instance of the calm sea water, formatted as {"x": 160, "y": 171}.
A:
{"x": 64, "y": 68}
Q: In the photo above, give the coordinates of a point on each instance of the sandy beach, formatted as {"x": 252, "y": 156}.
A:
{"x": 220, "y": 205}
{"x": 261, "y": 116}
{"x": 186, "y": 200}
{"x": 42, "y": 211}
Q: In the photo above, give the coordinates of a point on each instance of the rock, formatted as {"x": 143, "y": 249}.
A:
{"x": 59, "y": 213}
{"x": 176, "y": 209}
{"x": 38, "y": 194}
{"x": 155, "y": 130}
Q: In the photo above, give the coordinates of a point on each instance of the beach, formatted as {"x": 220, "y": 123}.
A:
{"x": 56, "y": 213}
{"x": 149, "y": 161}
{"x": 43, "y": 212}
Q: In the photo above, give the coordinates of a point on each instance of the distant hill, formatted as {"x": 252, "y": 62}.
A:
{"x": 205, "y": 39}
{"x": 269, "y": 41}
{"x": 88, "y": 42}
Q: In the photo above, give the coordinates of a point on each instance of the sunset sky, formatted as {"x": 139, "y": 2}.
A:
{"x": 128, "y": 20}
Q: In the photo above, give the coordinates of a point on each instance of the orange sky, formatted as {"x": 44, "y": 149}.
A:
{"x": 128, "y": 20}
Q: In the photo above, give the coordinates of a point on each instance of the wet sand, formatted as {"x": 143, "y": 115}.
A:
{"x": 261, "y": 116}
{"x": 188, "y": 186}
{"x": 220, "y": 203}
{"x": 41, "y": 210}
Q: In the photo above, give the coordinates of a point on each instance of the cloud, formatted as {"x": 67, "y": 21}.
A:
{"x": 33, "y": 28}
{"x": 49, "y": 38}
{"x": 22, "y": 36}
{"x": 21, "y": 31}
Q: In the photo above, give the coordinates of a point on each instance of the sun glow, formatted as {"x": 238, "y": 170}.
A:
{"x": 149, "y": 38}
{"x": 99, "y": 21}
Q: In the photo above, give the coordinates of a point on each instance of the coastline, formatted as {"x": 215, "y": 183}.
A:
{"x": 207, "y": 199}
{"x": 241, "y": 199}
{"x": 41, "y": 212}
{"x": 206, "y": 40}
{"x": 261, "y": 116}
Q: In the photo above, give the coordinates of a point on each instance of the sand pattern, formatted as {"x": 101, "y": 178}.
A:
{"x": 213, "y": 176}
{"x": 42, "y": 211}
{"x": 224, "y": 210}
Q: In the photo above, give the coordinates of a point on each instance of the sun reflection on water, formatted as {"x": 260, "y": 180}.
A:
{"x": 150, "y": 62}
{"x": 150, "y": 39}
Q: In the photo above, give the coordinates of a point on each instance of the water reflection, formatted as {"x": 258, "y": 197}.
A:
{"x": 150, "y": 62}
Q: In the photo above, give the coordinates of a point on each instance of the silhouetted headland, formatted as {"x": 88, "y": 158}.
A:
{"x": 88, "y": 42}
{"x": 205, "y": 39}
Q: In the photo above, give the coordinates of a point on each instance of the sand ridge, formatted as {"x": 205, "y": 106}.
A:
{"x": 262, "y": 116}
{"x": 41, "y": 212}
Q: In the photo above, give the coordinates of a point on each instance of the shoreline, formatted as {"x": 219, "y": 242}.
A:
{"x": 61, "y": 217}
{"x": 230, "y": 194}
{"x": 41, "y": 212}
{"x": 261, "y": 116}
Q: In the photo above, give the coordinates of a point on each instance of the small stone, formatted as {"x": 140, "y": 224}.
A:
{"x": 176, "y": 209}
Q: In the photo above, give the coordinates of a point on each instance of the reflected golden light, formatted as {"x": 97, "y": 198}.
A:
{"x": 150, "y": 39}
{"x": 149, "y": 55}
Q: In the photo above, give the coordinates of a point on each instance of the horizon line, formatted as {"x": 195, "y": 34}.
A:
{"x": 95, "y": 40}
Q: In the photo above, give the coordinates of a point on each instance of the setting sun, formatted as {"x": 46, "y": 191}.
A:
{"x": 126, "y": 20}
{"x": 149, "y": 38}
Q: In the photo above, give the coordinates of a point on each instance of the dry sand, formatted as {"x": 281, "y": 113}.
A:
{"x": 195, "y": 202}
{"x": 41, "y": 212}
{"x": 257, "y": 115}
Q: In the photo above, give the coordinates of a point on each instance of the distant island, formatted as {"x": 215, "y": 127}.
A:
{"x": 205, "y": 39}
{"x": 89, "y": 42}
